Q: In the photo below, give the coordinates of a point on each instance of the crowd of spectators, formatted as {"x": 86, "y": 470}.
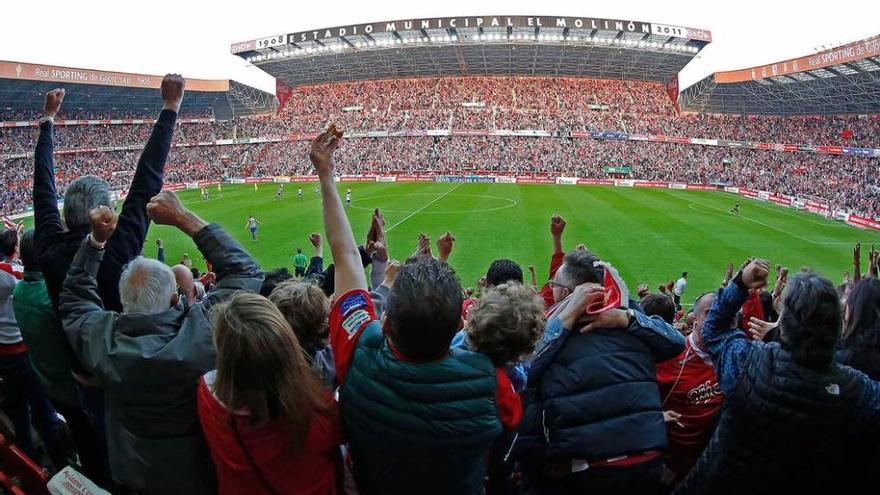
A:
{"x": 843, "y": 181}
{"x": 374, "y": 376}
{"x": 554, "y": 105}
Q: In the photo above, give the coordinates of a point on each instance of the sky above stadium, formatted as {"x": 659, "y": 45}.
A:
{"x": 193, "y": 37}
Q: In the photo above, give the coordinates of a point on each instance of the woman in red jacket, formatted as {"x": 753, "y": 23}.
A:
{"x": 270, "y": 425}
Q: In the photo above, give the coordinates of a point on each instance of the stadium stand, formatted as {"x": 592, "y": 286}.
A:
{"x": 206, "y": 387}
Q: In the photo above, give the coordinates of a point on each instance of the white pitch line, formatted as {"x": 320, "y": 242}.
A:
{"x": 685, "y": 198}
{"x": 416, "y": 212}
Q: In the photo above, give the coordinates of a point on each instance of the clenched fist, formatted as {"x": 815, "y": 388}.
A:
{"x": 173, "y": 86}
{"x": 557, "y": 225}
{"x": 103, "y": 223}
{"x": 444, "y": 245}
{"x": 754, "y": 275}
{"x": 53, "y": 102}
{"x": 165, "y": 208}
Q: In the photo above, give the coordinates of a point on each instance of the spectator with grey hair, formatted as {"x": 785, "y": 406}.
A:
{"x": 58, "y": 239}
{"x": 151, "y": 355}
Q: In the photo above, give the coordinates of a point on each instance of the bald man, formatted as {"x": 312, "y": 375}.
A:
{"x": 185, "y": 283}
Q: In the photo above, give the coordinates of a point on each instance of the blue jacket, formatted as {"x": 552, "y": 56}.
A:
{"x": 784, "y": 428}
{"x": 594, "y": 396}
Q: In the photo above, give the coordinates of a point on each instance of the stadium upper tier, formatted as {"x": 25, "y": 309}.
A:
{"x": 23, "y": 86}
{"x": 841, "y": 80}
{"x": 477, "y": 45}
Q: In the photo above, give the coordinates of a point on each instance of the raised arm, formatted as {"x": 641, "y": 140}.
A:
{"x": 349, "y": 271}
{"x": 47, "y": 219}
{"x": 316, "y": 263}
{"x": 728, "y": 345}
{"x": 86, "y": 323}
{"x": 235, "y": 269}
{"x": 128, "y": 240}
{"x": 557, "y": 227}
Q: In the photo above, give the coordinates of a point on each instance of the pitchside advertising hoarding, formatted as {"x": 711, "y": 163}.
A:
{"x": 585, "y": 23}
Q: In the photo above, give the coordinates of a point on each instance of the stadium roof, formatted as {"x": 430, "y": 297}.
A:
{"x": 478, "y": 45}
{"x": 25, "y": 85}
{"x": 842, "y": 80}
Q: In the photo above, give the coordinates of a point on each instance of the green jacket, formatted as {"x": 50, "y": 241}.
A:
{"x": 49, "y": 351}
{"x": 421, "y": 428}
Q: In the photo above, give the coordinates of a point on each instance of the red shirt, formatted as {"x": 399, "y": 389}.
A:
{"x": 311, "y": 470}
{"x": 688, "y": 386}
{"x": 354, "y": 310}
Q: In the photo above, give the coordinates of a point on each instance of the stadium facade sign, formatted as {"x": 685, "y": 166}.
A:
{"x": 497, "y": 21}
{"x": 51, "y": 73}
{"x": 839, "y": 55}
{"x": 472, "y": 22}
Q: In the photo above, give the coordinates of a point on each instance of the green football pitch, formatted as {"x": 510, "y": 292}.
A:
{"x": 650, "y": 235}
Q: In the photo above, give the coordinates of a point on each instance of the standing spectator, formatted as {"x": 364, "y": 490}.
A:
{"x": 421, "y": 417}
{"x": 150, "y": 357}
{"x": 794, "y": 419}
{"x": 593, "y": 422}
{"x": 58, "y": 241}
{"x": 679, "y": 289}
{"x": 24, "y": 399}
{"x": 860, "y": 344}
{"x": 270, "y": 425}
{"x": 53, "y": 358}
{"x": 306, "y": 309}
{"x": 691, "y": 396}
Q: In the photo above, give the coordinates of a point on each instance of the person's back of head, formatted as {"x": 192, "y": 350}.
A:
{"x": 659, "y": 305}
{"x": 185, "y": 282}
{"x": 261, "y": 368}
{"x": 147, "y": 286}
{"x": 424, "y": 308}
{"x": 298, "y": 251}
{"x": 862, "y": 333}
{"x": 811, "y": 320}
{"x": 30, "y": 258}
{"x": 82, "y": 195}
{"x": 8, "y": 243}
{"x": 306, "y": 309}
{"x": 272, "y": 280}
{"x": 580, "y": 268}
{"x": 506, "y": 323}
{"x": 503, "y": 271}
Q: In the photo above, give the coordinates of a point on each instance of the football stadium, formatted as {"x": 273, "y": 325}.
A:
{"x": 500, "y": 254}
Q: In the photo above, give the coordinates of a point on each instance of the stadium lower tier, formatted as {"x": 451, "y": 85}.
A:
{"x": 846, "y": 182}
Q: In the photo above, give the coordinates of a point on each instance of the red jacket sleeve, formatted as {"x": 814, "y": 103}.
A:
{"x": 509, "y": 403}
{"x": 546, "y": 290}
{"x": 350, "y": 314}
{"x": 752, "y": 309}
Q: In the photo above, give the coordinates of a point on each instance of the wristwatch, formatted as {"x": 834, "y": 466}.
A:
{"x": 47, "y": 118}
{"x": 631, "y": 314}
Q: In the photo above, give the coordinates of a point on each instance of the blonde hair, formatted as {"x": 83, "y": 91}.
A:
{"x": 261, "y": 367}
{"x": 506, "y": 323}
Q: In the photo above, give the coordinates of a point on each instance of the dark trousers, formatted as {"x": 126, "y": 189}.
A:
{"x": 677, "y": 300}
{"x": 26, "y": 404}
{"x": 88, "y": 443}
{"x": 638, "y": 479}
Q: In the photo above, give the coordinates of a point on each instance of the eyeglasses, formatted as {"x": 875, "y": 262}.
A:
{"x": 555, "y": 285}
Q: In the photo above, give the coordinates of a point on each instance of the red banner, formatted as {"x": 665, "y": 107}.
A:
{"x": 283, "y": 92}
{"x": 672, "y": 91}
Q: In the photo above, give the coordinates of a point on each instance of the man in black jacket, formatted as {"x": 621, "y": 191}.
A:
{"x": 57, "y": 240}
{"x": 794, "y": 419}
